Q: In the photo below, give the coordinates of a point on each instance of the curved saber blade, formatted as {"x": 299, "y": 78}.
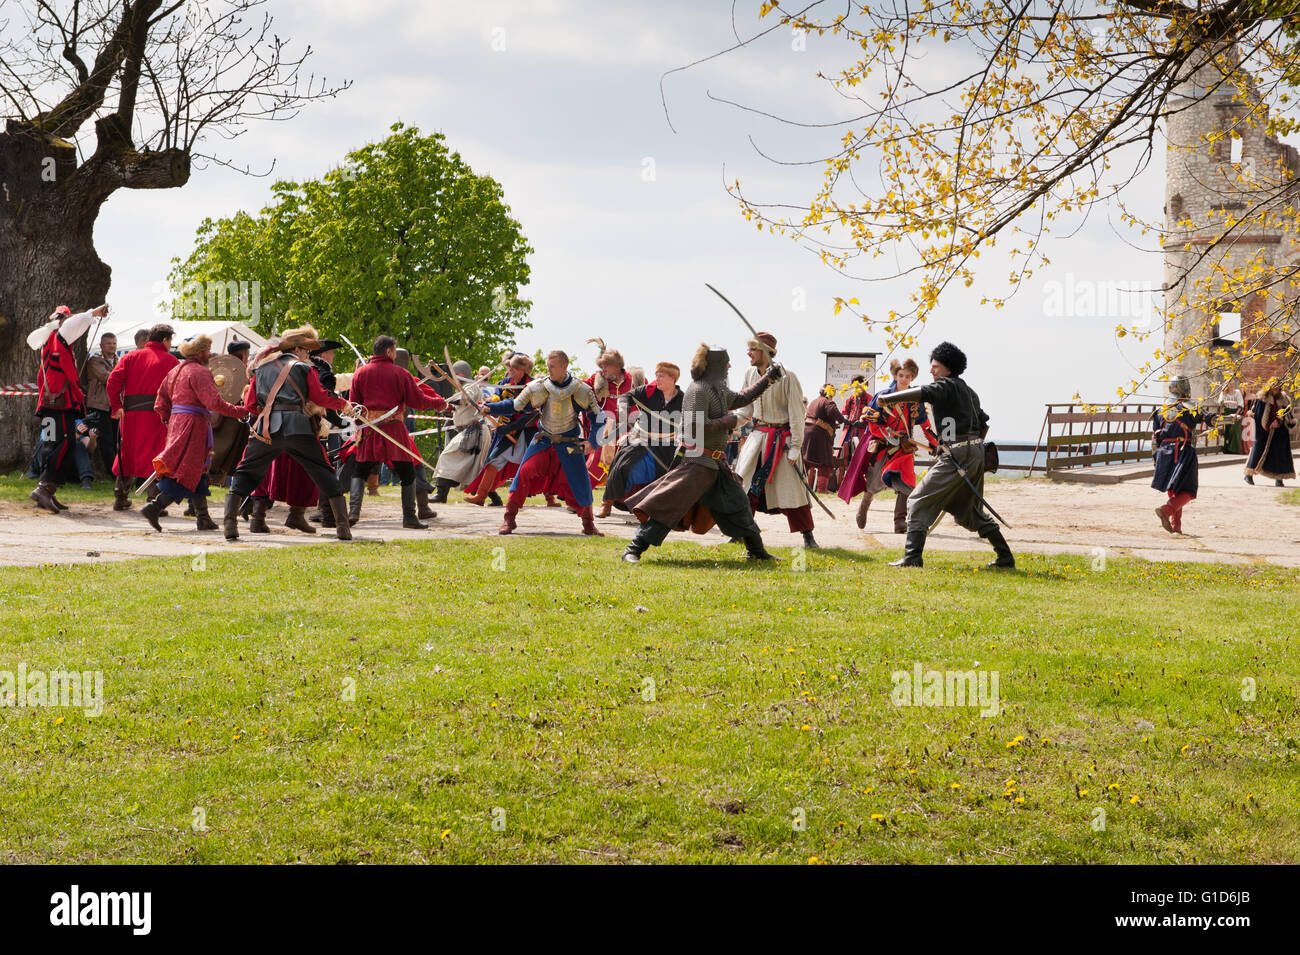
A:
{"x": 733, "y": 308}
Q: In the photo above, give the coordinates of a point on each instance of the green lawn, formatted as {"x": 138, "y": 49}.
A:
{"x": 513, "y": 675}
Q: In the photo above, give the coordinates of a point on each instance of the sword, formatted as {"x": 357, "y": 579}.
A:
{"x": 944, "y": 449}
{"x": 361, "y": 359}
{"x": 455, "y": 380}
{"x": 363, "y": 423}
{"x": 803, "y": 481}
{"x": 733, "y": 308}
{"x": 432, "y": 372}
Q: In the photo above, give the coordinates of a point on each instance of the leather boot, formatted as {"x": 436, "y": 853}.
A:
{"x": 324, "y": 514}
{"x": 356, "y": 493}
{"x": 754, "y": 549}
{"x": 121, "y": 495}
{"x": 297, "y": 519}
{"x": 863, "y": 506}
{"x": 810, "y": 541}
{"x": 257, "y": 516}
{"x": 342, "y": 524}
{"x": 202, "y": 519}
{"x": 189, "y": 510}
{"x": 422, "y": 509}
{"x": 230, "y": 520}
{"x": 44, "y": 497}
{"x": 486, "y": 485}
{"x": 1005, "y": 559}
{"x": 57, "y": 503}
{"x": 409, "y": 520}
{"x": 1163, "y": 514}
{"x": 153, "y": 493}
{"x": 912, "y": 550}
{"x": 153, "y": 509}
{"x": 508, "y": 518}
{"x": 551, "y": 501}
{"x": 605, "y": 508}
{"x": 900, "y": 509}
{"x": 372, "y": 484}
{"x": 650, "y": 534}
{"x": 588, "y": 524}
{"x": 494, "y": 500}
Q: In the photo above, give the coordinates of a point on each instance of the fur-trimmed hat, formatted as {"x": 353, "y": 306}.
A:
{"x": 304, "y": 337}
{"x": 196, "y": 346}
{"x": 950, "y": 356}
{"x": 1180, "y": 388}
{"x": 699, "y": 361}
{"x": 765, "y": 341}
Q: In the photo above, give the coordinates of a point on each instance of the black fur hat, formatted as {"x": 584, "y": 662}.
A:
{"x": 950, "y": 356}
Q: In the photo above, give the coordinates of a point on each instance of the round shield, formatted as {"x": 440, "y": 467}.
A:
{"x": 229, "y": 438}
{"x": 230, "y": 376}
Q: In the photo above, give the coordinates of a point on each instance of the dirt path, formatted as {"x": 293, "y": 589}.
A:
{"x": 1229, "y": 522}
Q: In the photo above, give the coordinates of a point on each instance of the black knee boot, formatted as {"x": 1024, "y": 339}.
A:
{"x": 409, "y": 518}
{"x": 440, "y": 495}
{"x": 202, "y": 519}
{"x": 1005, "y": 559}
{"x": 651, "y": 534}
{"x": 912, "y": 550}
{"x": 154, "y": 508}
{"x": 257, "y": 517}
{"x": 356, "y": 493}
{"x": 754, "y": 549}
{"x": 230, "y": 520}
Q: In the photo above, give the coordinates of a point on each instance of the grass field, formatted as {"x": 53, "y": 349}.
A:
{"x": 390, "y": 703}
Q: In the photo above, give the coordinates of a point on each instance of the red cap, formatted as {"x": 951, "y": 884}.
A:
{"x": 63, "y": 310}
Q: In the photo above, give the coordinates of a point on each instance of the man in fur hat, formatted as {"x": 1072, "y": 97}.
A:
{"x": 187, "y": 401}
{"x": 280, "y": 393}
{"x": 702, "y": 490}
{"x": 61, "y": 399}
{"x": 962, "y": 425}
{"x": 768, "y": 461}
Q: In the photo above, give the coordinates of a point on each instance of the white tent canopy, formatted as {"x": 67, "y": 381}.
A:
{"x": 222, "y": 332}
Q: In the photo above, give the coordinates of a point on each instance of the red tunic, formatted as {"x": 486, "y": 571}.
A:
{"x": 288, "y": 483}
{"x": 380, "y": 385}
{"x": 188, "y": 451}
{"x": 57, "y": 377}
{"x": 135, "y": 381}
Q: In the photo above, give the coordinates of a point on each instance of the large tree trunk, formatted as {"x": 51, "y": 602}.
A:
{"x": 47, "y": 259}
{"x": 48, "y": 207}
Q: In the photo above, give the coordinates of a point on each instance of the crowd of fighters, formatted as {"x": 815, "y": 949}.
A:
{"x": 305, "y": 437}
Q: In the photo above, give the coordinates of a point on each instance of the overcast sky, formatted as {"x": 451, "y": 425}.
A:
{"x": 560, "y": 101}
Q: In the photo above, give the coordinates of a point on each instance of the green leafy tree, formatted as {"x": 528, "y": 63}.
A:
{"x": 403, "y": 239}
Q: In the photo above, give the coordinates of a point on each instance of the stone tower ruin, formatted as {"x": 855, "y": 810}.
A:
{"x": 1218, "y": 164}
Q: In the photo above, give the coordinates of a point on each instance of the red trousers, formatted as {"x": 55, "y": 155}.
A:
{"x": 1174, "y": 507}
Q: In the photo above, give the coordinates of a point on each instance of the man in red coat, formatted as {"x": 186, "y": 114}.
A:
{"x": 132, "y": 390}
{"x": 61, "y": 399}
{"x": 380, "y": 385}
{"x": 187, "y": 403}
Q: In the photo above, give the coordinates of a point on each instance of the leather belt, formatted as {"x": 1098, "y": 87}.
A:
{"x": 138, "y": 402}
{"x": 968, "y": 441}
{"x": 772, "y": 424}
